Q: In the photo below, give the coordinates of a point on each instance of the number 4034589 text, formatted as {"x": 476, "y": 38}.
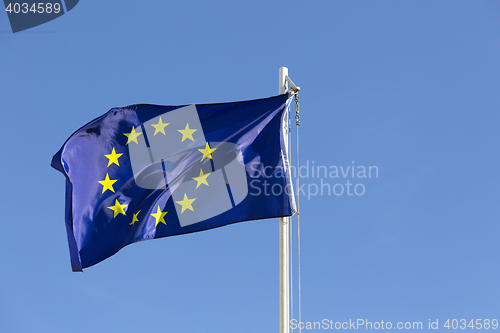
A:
{"x": 36, "y": 8}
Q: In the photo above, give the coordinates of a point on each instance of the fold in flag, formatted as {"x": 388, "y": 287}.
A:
{"x": 149, "y": 171}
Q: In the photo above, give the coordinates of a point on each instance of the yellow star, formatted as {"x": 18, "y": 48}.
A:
{"x": 202, "y": 178}
{"x": 132, "y": 136}
{"x": 207, "y": 152}
{"x": 117, "y": 208}
{"x": 159, "y": 216}
{"x": 134, "y": 218}
{"x": 107, "y": 184}
{"x": 160, "y": 127}
{"x": 186, "y": 203}
{"x": 187, "y": 133}
{"x": 113, "y": 157}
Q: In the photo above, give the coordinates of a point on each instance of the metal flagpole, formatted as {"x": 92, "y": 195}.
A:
{"x": 284, "y": 234}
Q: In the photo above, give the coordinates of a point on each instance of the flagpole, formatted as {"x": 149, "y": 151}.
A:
{"x": 284, "y": 233}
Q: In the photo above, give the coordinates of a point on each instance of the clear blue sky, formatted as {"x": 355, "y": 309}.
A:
{"x": 411, "y": 87}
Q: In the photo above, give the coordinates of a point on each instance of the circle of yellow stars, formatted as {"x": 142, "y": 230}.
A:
{"x": 186, "y": 203}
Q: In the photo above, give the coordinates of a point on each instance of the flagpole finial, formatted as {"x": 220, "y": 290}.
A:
{"x": 283, "y": 83}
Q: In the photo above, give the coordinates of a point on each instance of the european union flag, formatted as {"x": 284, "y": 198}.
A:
{"x": 149, "y": 171}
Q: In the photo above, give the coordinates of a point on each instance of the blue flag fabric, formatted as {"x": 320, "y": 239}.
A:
{"x": 149, "y": 171}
